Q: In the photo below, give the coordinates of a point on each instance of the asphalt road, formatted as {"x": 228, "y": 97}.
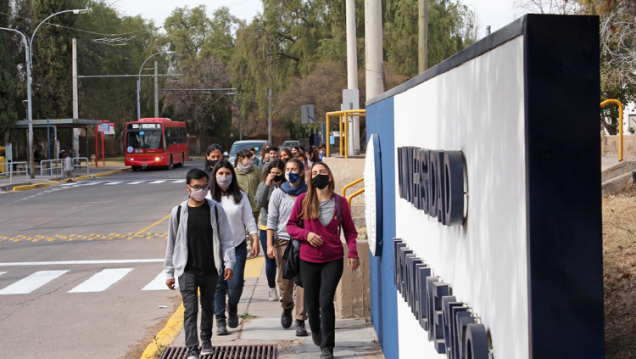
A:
{"x": 75, "y": 277}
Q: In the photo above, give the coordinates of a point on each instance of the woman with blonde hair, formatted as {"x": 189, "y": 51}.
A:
{"x": 323, "y": 213}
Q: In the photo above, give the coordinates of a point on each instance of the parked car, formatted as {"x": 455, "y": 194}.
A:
{"x": 239, "y": 146}
{"x": 290, "y": 144}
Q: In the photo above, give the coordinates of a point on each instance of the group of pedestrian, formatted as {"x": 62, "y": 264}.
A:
{"x": 291, "y": 197}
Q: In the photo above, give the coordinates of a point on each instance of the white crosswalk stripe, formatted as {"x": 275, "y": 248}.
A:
{"x": 160, "y": 181}
{"x": 102, "y": 280}
{"x": 32, "y": 282}
{"x": 159, "y": 283}
{"x": 136, "y": 182}
{"x": 98, "y": 282}
{"x": 111, "y": 183}
{"x": 179, "y": 181}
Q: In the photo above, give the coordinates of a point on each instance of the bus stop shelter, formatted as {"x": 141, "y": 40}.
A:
{"x": 54, "y": 124}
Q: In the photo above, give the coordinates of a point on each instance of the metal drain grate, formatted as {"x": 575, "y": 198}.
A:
{"x": 226, "y": 352}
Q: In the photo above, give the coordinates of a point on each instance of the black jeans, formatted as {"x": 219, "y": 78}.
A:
{"x": 320, "y": 281}
{"x": 189, "y": 285}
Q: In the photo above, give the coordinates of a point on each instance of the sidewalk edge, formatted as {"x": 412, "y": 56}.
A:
{"x": 167, "y": 335}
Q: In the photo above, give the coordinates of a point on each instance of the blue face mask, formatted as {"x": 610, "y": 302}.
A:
{"x": 292, "y": 177}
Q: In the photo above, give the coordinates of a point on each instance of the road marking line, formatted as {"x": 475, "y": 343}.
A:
{"x": 159, "y": 283}
{"x": 111, "y": 183}
{"x": 136, "y": 182}
{"x": 32, "y": 282}
{"x": 166, "y": 336}
{"x": 160, "y": 181}
{"x": 114, "y": 261}
{"x": 1, "y": 273}
{"x": 179, "y": 181}
{"x": 101, "y": 281}
{"x": 154, "y": 224}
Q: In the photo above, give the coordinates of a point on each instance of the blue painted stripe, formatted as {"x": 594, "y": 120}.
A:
{"x": 380, "y": 120}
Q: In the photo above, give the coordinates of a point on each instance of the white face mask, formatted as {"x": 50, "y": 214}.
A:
{"x": 224, "y": 181}
{"x": 199, "y": 195}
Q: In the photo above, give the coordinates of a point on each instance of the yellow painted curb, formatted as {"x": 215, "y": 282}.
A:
{"x": 154, "y": 224}
{"x": 105, "y": 173}
{"x": 166, "y": 336}
{"x": 34, "y": 186}
{"x": 253, "y": 267}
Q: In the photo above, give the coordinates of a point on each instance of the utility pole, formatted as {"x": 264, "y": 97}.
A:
{"x": 269, "y": 119}
{"x": 422, "y": 44}
{"x": 373, "y": 47}
{"x": 156, "y": 89}
{"x": 75, "y": 101}
{"x": 239, "y": 115}
{"x": 352, "y": 76}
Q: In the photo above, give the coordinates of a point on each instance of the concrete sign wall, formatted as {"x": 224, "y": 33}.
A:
{"x": 524, "y": 262}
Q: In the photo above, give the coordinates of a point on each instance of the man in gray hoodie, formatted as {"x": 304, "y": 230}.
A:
{"x": 200, "y": 249}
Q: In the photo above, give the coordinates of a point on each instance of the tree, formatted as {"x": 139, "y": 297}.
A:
{"x": 9, "y": 82}
{"x": 51, "y": 53}
{"x": 203, "y": 111}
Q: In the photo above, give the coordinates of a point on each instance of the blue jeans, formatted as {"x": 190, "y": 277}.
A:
{"x": 234, "y": 287}
{"x": 270, "y": 263}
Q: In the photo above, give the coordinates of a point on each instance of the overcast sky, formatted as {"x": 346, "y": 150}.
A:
{"x": 496, "y": 13}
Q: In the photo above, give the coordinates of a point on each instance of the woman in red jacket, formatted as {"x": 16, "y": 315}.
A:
{"x": 321, "y": 252}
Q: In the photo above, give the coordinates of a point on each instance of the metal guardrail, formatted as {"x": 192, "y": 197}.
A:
{"x": 344, "y": 137}
{"x": 51, "y": 166}
{"x": 10, "y": 165}
{"x": 356, "y": 193}
{"x": 79, "y": 164}
{"x": 620, "y": 125}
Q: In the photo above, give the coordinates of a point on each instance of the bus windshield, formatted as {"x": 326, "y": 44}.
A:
{"x": 146, "y": 139}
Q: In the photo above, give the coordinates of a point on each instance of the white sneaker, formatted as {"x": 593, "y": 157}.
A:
{"x": 273, "y": 297}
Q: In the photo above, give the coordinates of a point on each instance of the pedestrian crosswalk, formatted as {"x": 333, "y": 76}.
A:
{"x": 98, "y": 282}
{"x": 121, "y": 182}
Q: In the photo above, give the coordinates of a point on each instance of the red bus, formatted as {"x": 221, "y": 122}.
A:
{"x": 156, "y": 142}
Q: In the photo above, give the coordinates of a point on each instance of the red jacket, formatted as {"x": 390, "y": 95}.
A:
{"x": 331, "y": 247}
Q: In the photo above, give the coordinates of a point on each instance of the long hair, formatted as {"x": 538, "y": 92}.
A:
{"x": 315, "y": 156}
{"x": 277, "y": 163}
{"x": 244, "y": 153}
{"x": 311, "y": 205}
{"x": 264, "y": 150}
{"x": 287, "y": 151}
{"x": 233, "y": 190}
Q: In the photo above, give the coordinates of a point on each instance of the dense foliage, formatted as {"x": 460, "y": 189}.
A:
{"x": 292, "y": 45}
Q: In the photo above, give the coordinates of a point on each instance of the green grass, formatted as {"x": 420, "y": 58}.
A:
{"x": 247, "y": 316}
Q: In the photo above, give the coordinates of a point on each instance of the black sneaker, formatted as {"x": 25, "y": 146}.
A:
{"x": 286, "y": 318}
{"x": 326, "y": 353}
{"x": 317, "y": 338}
{"x": 232, "y": 320}
{"x": 300, "y": 328}
{"x": 206, "y": 348}
{"x": 193, "y": 354}
{"x": 221, "y": 326}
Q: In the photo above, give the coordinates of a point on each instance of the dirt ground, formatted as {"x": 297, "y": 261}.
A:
{"x": 619, "y": 267}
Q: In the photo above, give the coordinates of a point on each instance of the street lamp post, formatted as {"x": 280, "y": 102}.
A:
{"x": 28, "y": 49}
{"x": 239, "y": 115}
{"x": 139, "y": 80}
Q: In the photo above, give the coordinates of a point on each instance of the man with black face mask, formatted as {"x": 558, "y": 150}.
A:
{"x": 213, "y": 155}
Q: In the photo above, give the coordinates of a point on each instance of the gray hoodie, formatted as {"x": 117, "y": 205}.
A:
{"x": 177, "y": 248}
{"x": 263, "y": 194}
{"x": 278, "y": 213}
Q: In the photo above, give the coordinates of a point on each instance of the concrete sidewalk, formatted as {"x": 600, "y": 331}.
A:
{"x": 354, "y": 337}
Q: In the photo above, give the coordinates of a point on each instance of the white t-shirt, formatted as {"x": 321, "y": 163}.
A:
{"x": 239, "y": 215}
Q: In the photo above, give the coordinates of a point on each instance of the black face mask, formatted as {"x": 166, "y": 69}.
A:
{"x": 320, "y": 181}
{"x": 279, "y": 178}
{"x": 211, "y": 164}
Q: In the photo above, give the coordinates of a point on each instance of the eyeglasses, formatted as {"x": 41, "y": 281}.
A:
{"x": 198, "y": 188}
